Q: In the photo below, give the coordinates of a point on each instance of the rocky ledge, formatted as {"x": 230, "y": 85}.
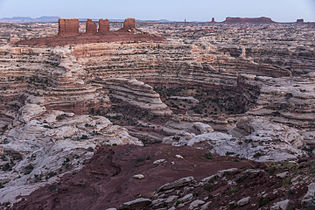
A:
{"x": 166, "y": 177}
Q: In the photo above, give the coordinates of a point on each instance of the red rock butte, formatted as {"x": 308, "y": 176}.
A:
{"x": 68, "y": 27}
{"x": 95, "y": 33}
{"x": 260, "y": 20}
{"x": 91, "y": 27}
{"x": 104, "y": 26}
{"x": 129, "y": 24}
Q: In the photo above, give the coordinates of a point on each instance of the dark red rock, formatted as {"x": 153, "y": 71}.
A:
{"x": 300, "y": 20}
{"x": 130, "y": 23}
{"x": 107, "y": 179}
{"x": 68, "y": 27}
{"x": 91, "y": 27}
{"x": 103, "y": 26}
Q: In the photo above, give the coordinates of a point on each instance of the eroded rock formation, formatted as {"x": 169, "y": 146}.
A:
{"x": 69, "y": 34}
{"x": 129, "y": 23}
{"x": 68, "y": 27}
{"x": 91, "y": 27}
{"x": 104, "y": 26}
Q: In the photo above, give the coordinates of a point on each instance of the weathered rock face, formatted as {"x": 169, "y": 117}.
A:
{"x": 91, "y": 27}
{"x": 43, "y": 145}
{"x": 68, "y": 27}
{"x": 207, "y": 84}
{"x": 253, "y": 138}
{"x": 137, "y": 94}
{"x": 49, "y": 120}
{"x": 261, "y": 20}
{"x": 129, "y": 23}
{"x": 104, "y": 26}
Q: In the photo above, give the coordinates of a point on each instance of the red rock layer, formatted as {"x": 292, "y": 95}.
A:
{"x": 91, "y": 27}
{"x": 107, "y": 177}
{"x": 68, "y": 27}
{"x": 103, "y": 26}
{"x": 112, "y": 36}
{"x": 261, "y": 20}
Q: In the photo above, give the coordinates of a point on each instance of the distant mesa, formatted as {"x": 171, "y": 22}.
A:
{"x": 260, "y": 20}
{"x": 68, "y": 33}
{"x": 300, "y": 21}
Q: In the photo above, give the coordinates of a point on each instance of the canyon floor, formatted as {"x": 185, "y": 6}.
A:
{"x": 165, "y": 116}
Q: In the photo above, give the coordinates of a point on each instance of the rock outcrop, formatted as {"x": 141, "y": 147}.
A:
{"x": 137, "y": 94}
{"x": 104, "y": 26}
{"x": 69, "y": 34}
{"x": 48, "y": 120}
{"x": 68, "y": 27}
{"x": 91, "y": 27}
{"x": 129, "y": 24}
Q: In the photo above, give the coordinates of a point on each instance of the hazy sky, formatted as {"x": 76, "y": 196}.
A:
{"x": 202, "y": 10}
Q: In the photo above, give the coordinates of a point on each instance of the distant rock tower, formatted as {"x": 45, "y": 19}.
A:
{"x": 300, "y": 21}
{"x": 91, "y": 27}
{"x": 213, "y": 21}
{"x": 68, "y": 27}
{"x": 130, "y": 23}
{"x": 103, "y": 26}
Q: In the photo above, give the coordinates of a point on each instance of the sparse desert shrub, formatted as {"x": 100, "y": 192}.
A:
{"x": 51, "y": 174}
{"x": 60, "y": 117}
{"x": 28, "y": 169}
{"x": 140, "y": 159}
{"x": 208, "y": 155}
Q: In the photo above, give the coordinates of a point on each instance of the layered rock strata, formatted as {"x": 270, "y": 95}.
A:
{"x": 45, "y": 127}
{"x": 246, "y": 97}
{"x": 137, "y": 94}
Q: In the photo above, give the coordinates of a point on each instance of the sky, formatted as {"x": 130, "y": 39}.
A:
{"x": 177, "y": 10}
